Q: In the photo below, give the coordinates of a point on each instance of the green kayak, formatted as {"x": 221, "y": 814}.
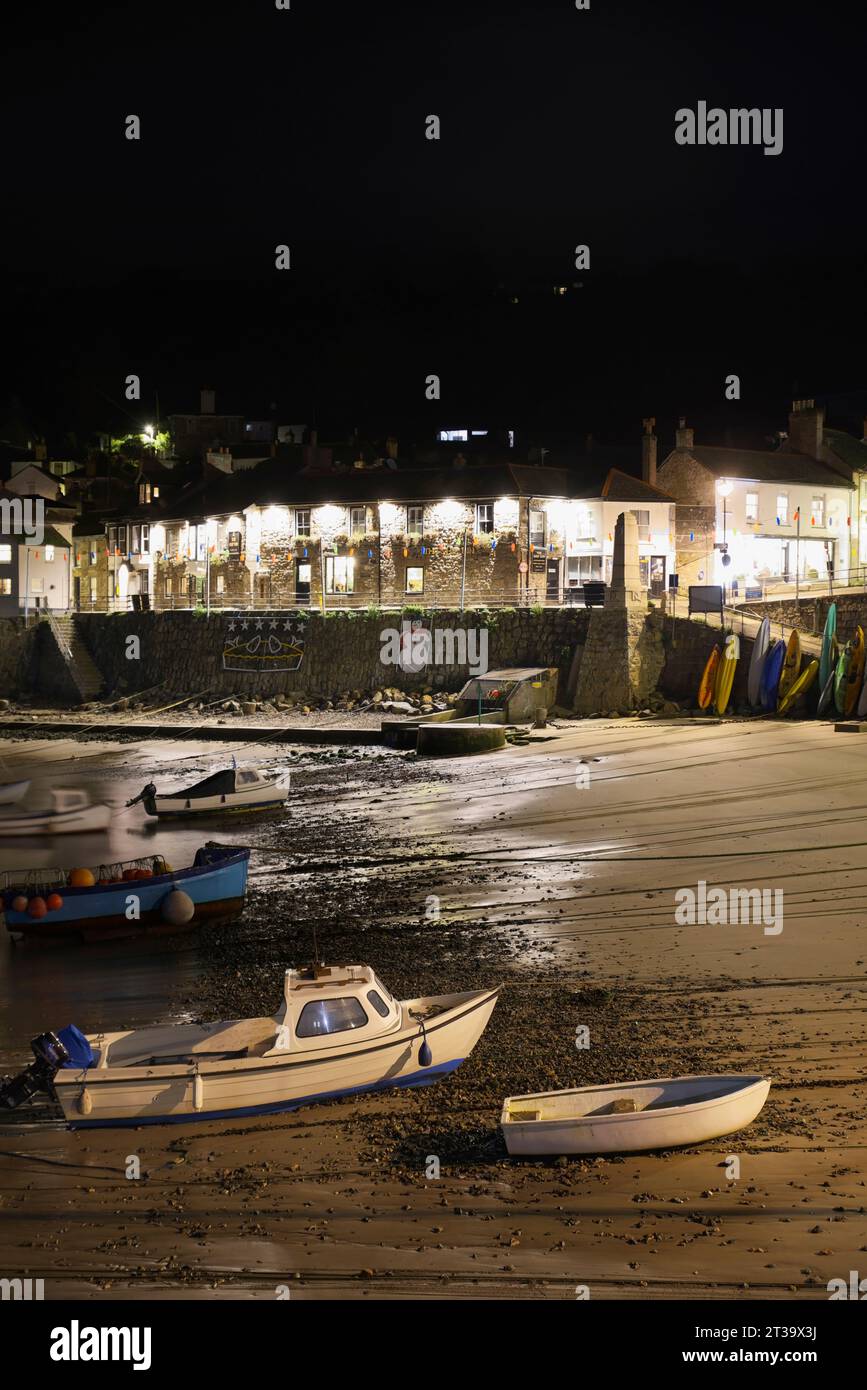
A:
{"x": 841, "y": 677}
{"x": 826, "y": 662}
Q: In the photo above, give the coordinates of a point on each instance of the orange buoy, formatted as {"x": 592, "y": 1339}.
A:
{"x": 81, "y": 878}
{"x": 53, "y": 902}
{"x": 143, "y": 873}
{"x": 128, "y": 875}
{"x": 37, "y": 907}
{"x": 19, "y": 904}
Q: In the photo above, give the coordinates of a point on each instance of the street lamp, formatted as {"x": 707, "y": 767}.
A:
{"x": 725, "y": 488}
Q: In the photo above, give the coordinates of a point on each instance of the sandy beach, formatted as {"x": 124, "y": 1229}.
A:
{"x": 551, "y": 869}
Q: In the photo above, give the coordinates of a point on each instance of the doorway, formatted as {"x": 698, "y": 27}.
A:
{"x": 303, "y": 571}
{"x": 657, "y": 575}
{"x": 552, "y": 581}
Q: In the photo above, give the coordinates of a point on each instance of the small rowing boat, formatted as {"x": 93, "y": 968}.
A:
{"x": 234, "y": 789}
{"x": 11, "y": 792}
{"x": 138, "y": 896}
{"x": 338, "y": 1032}
{"x": 634, "y": 1116}
{"x": 70, "y": 813}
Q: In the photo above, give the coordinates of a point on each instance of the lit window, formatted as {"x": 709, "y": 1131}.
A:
{"x": 818, "y": 511}
{"x": 145, "y": 539}
{"x": 49, "y": 553}
{"x": 221, "y": 584}
{"x": 168, "y": 588}
{"x": 92, "y": 556}
{"x": 357, "y": 520}
{"x": 484, "y": 518}
{"x": 330, "y": 1016}
{"x": 302, "y": 521}
{"x": 93, "y": 589}
{"x": 752, "y": 507}
{"x": 448, "y": 436}
{"x": 5, "y": 586}
{"x": 339, "y": 574}
{"x": 537, "y": 527}
{"x": 415, "y": 519}
{"x": 783, "y": 508}
{"x": 643, "y": 519}
{"x": 5, "y": 554}
{"x": 415, "y": 579}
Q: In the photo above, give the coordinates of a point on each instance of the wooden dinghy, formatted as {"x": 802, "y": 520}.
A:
{"x": 234, "y": 789}
{"x": 338, "y": 1032}
{"x": 634, "y": 1116}
{"x": 70, "y": 813}
{"x": 10, "y": 792}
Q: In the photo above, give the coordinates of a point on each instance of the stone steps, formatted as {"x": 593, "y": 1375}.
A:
{"x": 86, "y": 673}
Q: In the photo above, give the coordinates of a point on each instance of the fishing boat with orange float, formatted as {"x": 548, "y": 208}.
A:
{"x": 139, "y": 896}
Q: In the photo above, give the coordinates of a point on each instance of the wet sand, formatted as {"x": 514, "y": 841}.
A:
{"x": 565, "y": 896}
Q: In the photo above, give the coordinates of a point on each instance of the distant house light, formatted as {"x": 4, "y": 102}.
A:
{"x": 511, "y": 439}
{"x": 453, "y": 436}
{"x": 479, "y": 433}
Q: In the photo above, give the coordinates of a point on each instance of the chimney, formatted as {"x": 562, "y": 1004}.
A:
{"x": 648, "y": 452}
{"x": 806, "y": 428}
{"x": 684, "y": 437}
{"x": 208, "y": 403}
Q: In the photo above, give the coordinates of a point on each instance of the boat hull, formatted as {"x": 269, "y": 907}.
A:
{"x": 231, "y": 803}
{"x": 126, "y": 1097}
{"x": 102, "y": 912}
{"x": 80, "y": 822}
{"x": 634, "y": 1132}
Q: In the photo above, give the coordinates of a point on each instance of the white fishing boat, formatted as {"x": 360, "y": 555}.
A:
{"x": 233, "y": 789}
{"x": 10, "y": 792}
{"x": 637, "y": 1115}
{"x": 338, "y": 1032}
{"x": 71, "y": 813}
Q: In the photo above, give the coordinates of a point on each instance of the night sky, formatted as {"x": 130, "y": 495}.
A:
{"x": 307, "y": 127}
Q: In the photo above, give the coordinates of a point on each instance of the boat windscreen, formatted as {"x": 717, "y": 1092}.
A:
{"x": 218, "y": 784}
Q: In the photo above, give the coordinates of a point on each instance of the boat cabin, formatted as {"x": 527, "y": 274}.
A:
{"x": 66, "y": 799}
{"x": 328, "y": 999}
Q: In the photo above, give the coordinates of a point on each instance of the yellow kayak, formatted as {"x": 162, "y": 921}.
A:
{"x": 855, "y": 673}
{"x": 725, "y": 677}
{"x": 791, "y": 667}
{"x": 707, "y": 684}
{"x": 798, "y": 687}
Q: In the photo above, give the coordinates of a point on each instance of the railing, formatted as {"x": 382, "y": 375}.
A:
{"x": 65, "y": 649}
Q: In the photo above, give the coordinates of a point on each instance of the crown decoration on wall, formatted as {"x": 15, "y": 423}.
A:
{"x": 274, "y": 642}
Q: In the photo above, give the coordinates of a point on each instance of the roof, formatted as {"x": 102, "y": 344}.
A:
{"x": 50, "y": 537}
{"x": 851, "y": 451}
{"x": 765, "y": 466}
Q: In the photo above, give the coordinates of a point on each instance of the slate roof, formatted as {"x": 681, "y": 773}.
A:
{"x": 765, "y": 466}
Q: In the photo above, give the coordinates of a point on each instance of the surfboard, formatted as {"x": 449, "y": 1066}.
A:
{"x": 799, "y": 687}
{"x": 826, "y": 699}
{"x": 841, "y": 677}
{"x": 855, "y": 672}
{"x": 761, "y": 642}
{"x": 828, "y": 659}
{"x": 726, "y": 672}
{"x": 707, "y": 684}
{"x": 771, "y": 674}
{"x": 791, "y": 666}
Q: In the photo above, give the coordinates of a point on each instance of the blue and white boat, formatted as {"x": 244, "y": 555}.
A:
{"x": 138, "y": 896}
{"x": 233, "y": 790}
{"x": 338, "y": 1032}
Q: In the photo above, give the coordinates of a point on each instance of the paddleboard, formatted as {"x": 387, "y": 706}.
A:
{"x": 791, "y": 666}
{"x": 707, "y": 684}
{"x": 855, "y": 674}
{"x": 761, "y": 642}
{"x": 828, "y": 659}
{"x": 841, "y": 676}
{"x": 726, "y": 672}
{"x": 771, "y": 675}
{"x": 799, "y": 687}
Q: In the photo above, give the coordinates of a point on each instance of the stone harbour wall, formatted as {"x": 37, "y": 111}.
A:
{"x": 17, "y": 657}
{"x": 183, "y": 652}
{"x": 809, "y": 614}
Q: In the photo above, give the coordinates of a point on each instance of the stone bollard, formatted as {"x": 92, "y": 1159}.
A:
{"x": 540, "y": 720}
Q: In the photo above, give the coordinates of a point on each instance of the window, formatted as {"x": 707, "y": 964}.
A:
{"x": 112, "y": 539}
{"x": 450, "y": 436}
{"x": 93, "y": 588}
{"x": 818, "y": 511}
{"x": 752, "y": 507}
{"x": 145, "y": 539}
{"x": 583, "y": 569}
{"x": 93, "y": 555}
{"x": 135, "y": 540}
{"x": 330, "y": 1016}
{"x": 49, "y": 553}
{"x": 381, "y": 987}
{"x": 415, "y": 519}
{"x": 484, "y": 518}
{"x": 122, "y": 539}
{"x": 643, "y": 519}
{"x": 5, "y": 586}
{"x": 415, "y": 579}
{"x": 357, "y": 521}
{"x": 783, "y": 508}
{"x": 378, "y": 1003}
{"x": 221, "y": 584}
{"x": 339, "y": 574}
{"x": 144, "y": 582}
{"x": 168, "y": 588}
{"x": 302, "y": 521}
{"x": 537, "y": 526}
{"x": 144, "y": 493}
{"x": 5, "y": 555}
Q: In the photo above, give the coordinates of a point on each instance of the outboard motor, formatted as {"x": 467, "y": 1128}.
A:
{"x": 148, "y": 791}
{"x": 50, "y": 1055}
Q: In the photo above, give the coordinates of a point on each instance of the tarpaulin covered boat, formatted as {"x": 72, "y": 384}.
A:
{"x": 232, "y": 789}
